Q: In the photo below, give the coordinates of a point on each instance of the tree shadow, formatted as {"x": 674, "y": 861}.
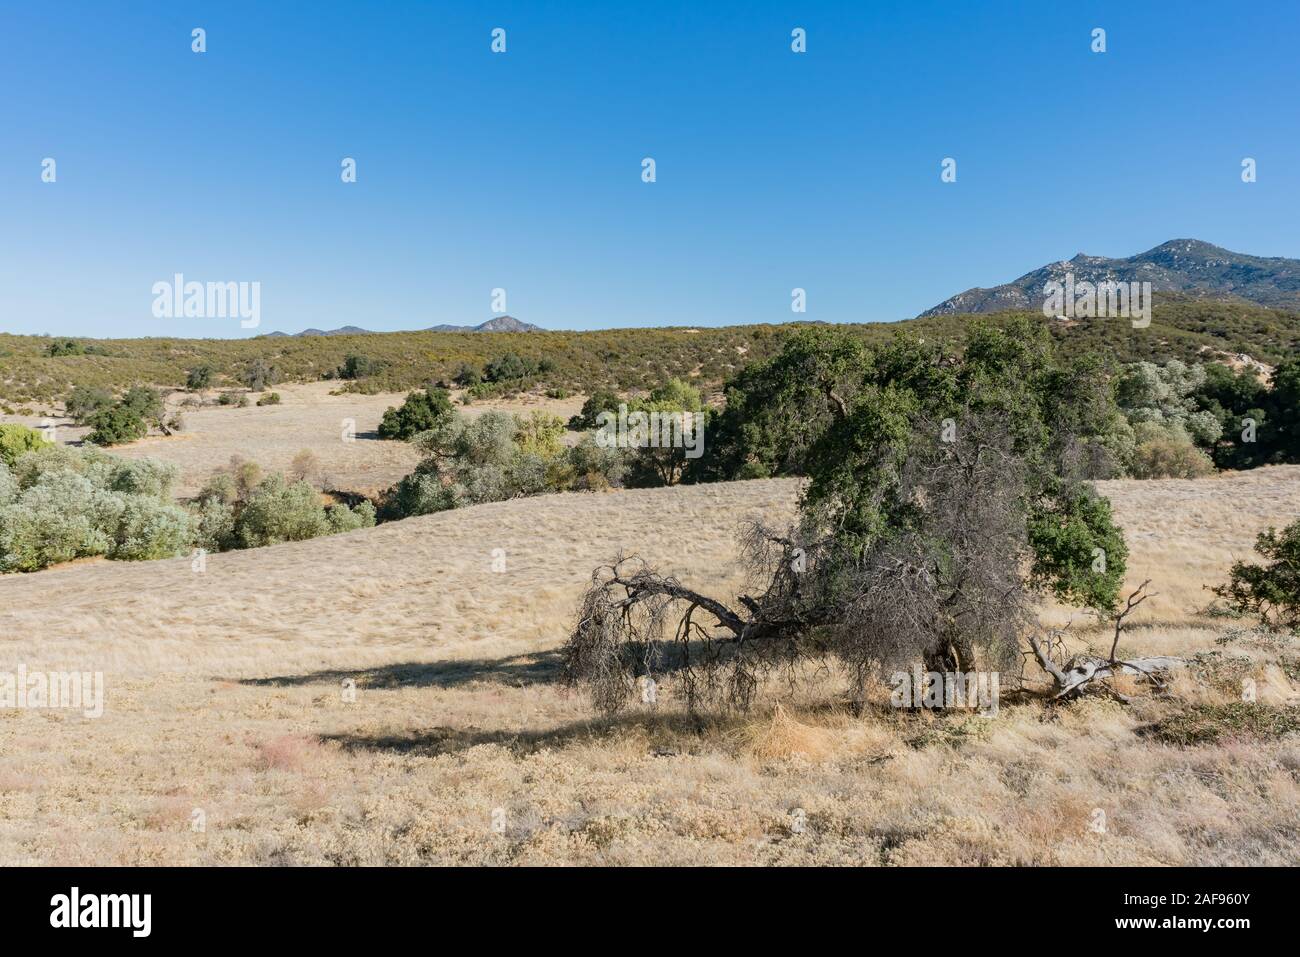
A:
{"x": 543, "y": 667}
{"x": 443, "y": 739}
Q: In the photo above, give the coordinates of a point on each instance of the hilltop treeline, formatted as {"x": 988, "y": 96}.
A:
{"x": 38, "y": 369}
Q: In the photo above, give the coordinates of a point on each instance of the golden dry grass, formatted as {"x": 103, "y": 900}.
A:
{"x": 228, "y": 694}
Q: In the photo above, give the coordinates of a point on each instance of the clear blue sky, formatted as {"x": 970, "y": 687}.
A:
{"x": 522, "y": 170}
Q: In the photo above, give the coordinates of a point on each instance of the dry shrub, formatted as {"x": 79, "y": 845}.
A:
{"x": 305, "y": 467}
{"x": 782, "y": 736}
{"x": 311, "y": 802}
{"x": 17, "y": 781}
{"x": 170, "y": 812}
{"x": 1170, "y": 458}
{"x": 288, "y": 752}
{"x": 1128, "y": 685}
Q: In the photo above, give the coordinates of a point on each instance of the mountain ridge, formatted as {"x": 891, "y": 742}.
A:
{"x": 1191, "y": 267}
{"x": 495, "y": 324}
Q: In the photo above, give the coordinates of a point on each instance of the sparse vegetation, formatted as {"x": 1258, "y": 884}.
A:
{"x": 1201, "y": 724}
{"x": 495, "y": 457}
{"x": 619, "y": 359}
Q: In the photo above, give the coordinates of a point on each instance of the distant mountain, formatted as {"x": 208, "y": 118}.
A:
{"x": 497, "y": 324}
{"x": 1188, "y": 266}
{"x": 341, "y": 331}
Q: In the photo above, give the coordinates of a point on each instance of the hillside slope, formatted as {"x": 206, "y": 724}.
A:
{"x": 385, "y": 697}
{"x": 613, "y": 358}
{"x": 1188, "y": 266}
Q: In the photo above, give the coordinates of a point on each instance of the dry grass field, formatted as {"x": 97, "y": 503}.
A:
{"x": 229, "y": 735}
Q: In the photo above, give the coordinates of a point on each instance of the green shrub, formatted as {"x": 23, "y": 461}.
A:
{"x": 71, "y": 347}
{"x": 602, "y": 400}
{"x": 62, "y": 504}
{"x": 145, "y": 402}
{"x": 278, "y": 511}
{"x": 1272, "y": 590}
{"x": 148, "y": 477}
{"x": 1079, "y": 553}
{"x": 492, "y": 390}
{"x": 594, "y": 468}
{"x": 116, "y": 425}
{"x": 752, "y": 470}
{"x": 220, "y": 487}
{"x": 8, "y": 485}
{"x": 1166, "y": 395}
{"x": 540, "y": 434}
{"x": 259, "y": 374}
{"x": 344, "y": 519}
{"x": 420, "y": 412}
{"x": 148, "y": 528}
{"x": 512, "y": 366}
{"x": 17, "y": 439}
{"x": 677, "y": 402}
{"x": 61, "y": 518}
{"x": 29, "y": 469}
{"x": 84, "y": 402}
{"x": 215, "y": 525}
{"x": 495, "y": 457}
{"x": 359, "y": 367}
{"x": 420, "y": 493}
{"x": 200, "y": 377}
{"x": 271, "y": 398}
{"x": 468, "y": 374}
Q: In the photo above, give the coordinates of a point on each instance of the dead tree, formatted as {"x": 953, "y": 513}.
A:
{"x": 1083, "y": 672}
{"x": 940, "y": 583}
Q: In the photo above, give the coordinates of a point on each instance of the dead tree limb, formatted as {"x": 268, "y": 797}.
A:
{"x": 1084, "y": 671}
{"x": 1138, "y": 596}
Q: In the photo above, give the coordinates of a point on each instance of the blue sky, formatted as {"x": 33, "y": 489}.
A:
{"x": 522, "y": 170}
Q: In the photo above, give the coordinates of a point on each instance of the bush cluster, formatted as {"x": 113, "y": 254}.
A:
{"x": 241, "y": 508}
{"x": 420, "y": 412}
{"x": 127, "y": 419}
{"x": 58, "y": 504}
{"x": 494, "y": 457}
